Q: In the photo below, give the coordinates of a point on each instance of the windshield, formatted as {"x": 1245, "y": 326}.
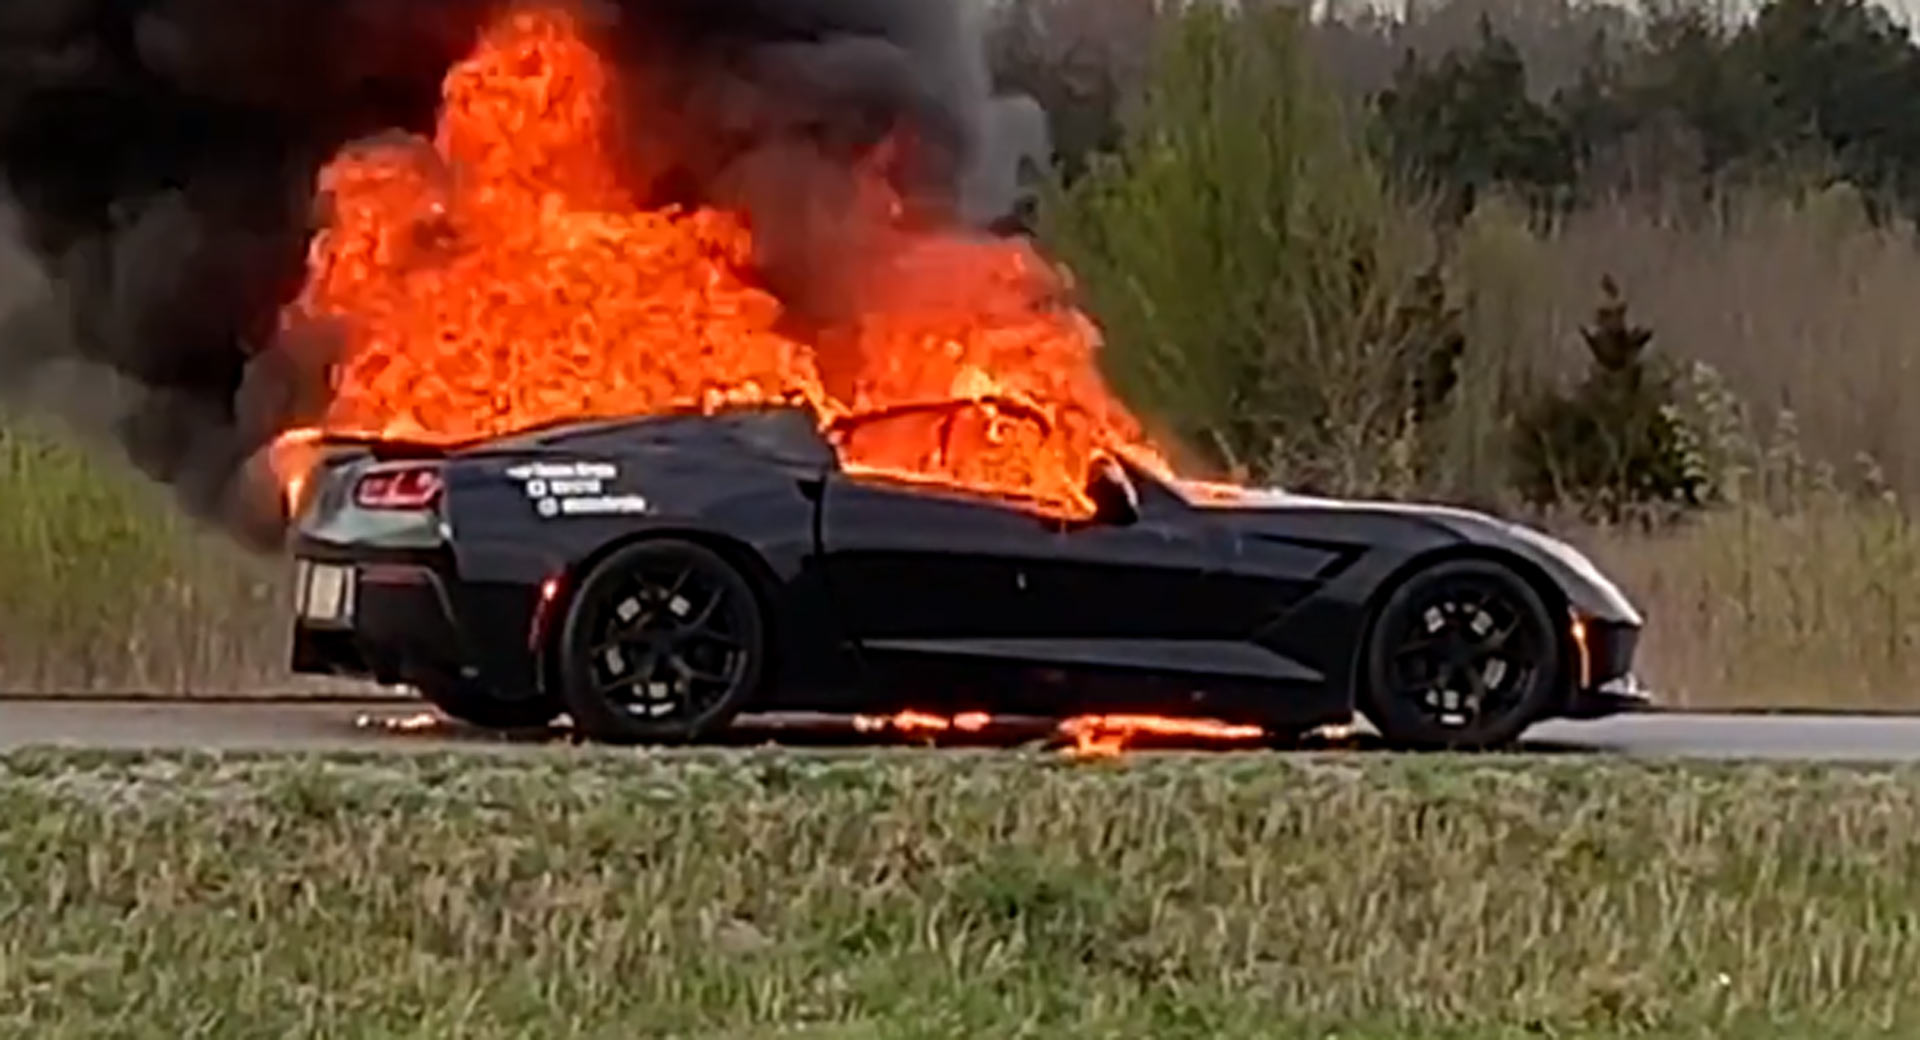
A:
{"x": 1203, "y": 493}
{"x": 1145, "y": 466}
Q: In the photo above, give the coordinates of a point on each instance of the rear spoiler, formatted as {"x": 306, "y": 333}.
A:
{"x": 384, "y": 450}
{"x": 336, "y": 447}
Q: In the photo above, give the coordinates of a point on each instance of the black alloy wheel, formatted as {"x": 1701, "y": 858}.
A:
{"x": 664, "y": 643}
{"x": 1463, "y": 655}
{"x": 475, "y": 705}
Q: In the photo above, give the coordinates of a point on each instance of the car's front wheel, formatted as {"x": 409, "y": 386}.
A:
{"x": 664, "y": 643}
{"x": 1462, "y": 655}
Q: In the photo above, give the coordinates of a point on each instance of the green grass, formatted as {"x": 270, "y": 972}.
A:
{"x": 955, "y": 895}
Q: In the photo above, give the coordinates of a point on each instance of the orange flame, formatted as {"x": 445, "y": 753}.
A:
{"x": 417, "y": 722}
{"x": 499, "y": 277}
{"x": 1104, "y": 736}
{"x": 291, "y": 458}
{"x": 1083, "y": 736}
{"x": 920, "y": 723}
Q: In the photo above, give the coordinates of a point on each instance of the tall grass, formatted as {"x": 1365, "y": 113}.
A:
{"x": 105, "y": 587}
{"x": 1818, "y": 606}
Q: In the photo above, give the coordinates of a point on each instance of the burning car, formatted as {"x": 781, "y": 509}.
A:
{"x": 653, "y": 577}
{"x": 652, "y": 458}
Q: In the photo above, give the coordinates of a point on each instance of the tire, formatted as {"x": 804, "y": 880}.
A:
{"x": 474, "y": 705}
{"x": 664, "y": 643}
{"x": 1492, "y": 667}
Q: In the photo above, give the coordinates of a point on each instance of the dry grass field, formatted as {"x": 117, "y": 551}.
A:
{"x": 712, "y": 895}
{"x": 1816, "y": 609}
{"x": 1806, "y": 591}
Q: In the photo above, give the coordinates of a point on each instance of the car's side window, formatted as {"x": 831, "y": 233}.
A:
{"x": 996, "y": 453}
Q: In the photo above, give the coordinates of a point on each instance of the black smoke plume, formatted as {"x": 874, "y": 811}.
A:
{"x": 158, "y": 159}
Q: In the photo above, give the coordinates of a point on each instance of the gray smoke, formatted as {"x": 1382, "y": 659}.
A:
{"x": 157, "y": 162}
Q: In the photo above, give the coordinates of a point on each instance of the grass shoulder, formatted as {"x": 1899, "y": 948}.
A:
{"x": 737, "y": 894}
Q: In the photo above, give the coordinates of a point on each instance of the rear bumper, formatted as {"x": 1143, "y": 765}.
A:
{"x": 409, "y": 620}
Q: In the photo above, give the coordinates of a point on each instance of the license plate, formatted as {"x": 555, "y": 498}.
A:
{"x": 326, "y": 592}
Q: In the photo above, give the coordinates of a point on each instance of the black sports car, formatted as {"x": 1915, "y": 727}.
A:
{"x": 653, "y": 577}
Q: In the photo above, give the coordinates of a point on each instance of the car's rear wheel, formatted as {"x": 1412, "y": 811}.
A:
{"x": 664, "y": 643}
{"x": 477, "y": 706}
{"x": 1463, "y": 655}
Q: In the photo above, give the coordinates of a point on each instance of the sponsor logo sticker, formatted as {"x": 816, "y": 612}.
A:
{"x": 564, "y": 471}
{"x": 603, "y": 505}
{"x": 561, "y": 489}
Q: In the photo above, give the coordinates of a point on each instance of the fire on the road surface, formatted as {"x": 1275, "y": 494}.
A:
{"x": 1082, "y": 736}
{"x": 920, "y": 723}
{"x": 1103, "y": 736}
{"x": 500, "y": 276}
{"x": 417, "y": 722}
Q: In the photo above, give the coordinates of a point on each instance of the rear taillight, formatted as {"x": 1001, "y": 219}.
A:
{"x": 405, "y": 488}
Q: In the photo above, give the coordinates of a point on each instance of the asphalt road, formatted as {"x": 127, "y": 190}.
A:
{"x": 309, "y": 727}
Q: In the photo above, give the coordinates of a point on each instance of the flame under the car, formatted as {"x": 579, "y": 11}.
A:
{"x": 413, "y": 722}
{"x": 1079, "y": 737}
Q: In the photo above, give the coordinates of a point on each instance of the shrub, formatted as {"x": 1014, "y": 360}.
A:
{"x": 1619, "y": 442}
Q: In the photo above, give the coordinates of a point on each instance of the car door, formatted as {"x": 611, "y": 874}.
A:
{"x": 921, "y": 571}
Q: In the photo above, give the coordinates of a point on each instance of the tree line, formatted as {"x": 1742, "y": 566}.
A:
{"x": 1259, "y": 204}
{"x": 1560, "y": 101}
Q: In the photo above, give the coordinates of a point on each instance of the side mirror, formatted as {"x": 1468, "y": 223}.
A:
{"x": 1115, "y": 500}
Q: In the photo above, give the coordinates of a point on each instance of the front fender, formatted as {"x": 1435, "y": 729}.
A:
{"x": 1588, "y": 589}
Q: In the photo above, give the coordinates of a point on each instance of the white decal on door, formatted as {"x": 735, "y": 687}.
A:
{"x": 575, "y": 489}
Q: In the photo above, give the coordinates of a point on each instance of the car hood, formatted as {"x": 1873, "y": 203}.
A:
{"x": 1587, "y": 588}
